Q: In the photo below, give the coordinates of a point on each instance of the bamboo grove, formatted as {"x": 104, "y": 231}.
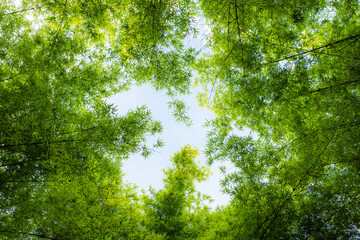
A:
{"x": 287, "y": 70}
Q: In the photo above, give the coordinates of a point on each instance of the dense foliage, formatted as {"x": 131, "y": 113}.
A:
{"x": 287, "y": 70}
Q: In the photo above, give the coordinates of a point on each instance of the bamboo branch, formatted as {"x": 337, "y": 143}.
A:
{"x": 35, "y": 143}
{"x": 239, "y": 32}
{"x": 290, "y": 195}
{"x": 315, "y": 49}
{"x": 229, "y": 14}
{"x": 23, "y": 10}
{"x": 333, "y": 86}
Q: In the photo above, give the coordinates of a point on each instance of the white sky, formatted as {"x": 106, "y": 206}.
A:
{"x": 146, "y": 172}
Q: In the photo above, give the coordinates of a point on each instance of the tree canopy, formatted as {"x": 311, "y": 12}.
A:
{"x": 289, "y": 71}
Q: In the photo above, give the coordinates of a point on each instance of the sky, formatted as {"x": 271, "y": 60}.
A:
{"x": 148, "y": 172}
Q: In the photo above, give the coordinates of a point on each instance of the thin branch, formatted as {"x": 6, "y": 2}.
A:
{"x": 315, "y": 49}
{"x": 40, "y": 236}
{"x": 217, "y": 75}
{"x": 30, "y": 234}
{"x": 24, "y": 10}
{"x": 281, "y": 207}
{"x": 334, "y": 86}
{"x": 56, "y": 35}
{"x": 35, "y": 143}
{"x": 227, "y": 56}
{"x": 11, "y": 77}
{"x": 323, "y": 89}
{"x": 22, "y": 163}
{"x": 290, "y": 195}
{"x": 229, "y": 14}
{"x": 239, "y": 32}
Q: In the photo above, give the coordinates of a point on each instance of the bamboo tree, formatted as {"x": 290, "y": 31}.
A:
{"x": 172, "y": 211}
{"x": 287, "y": 71}
{"x": 59, "y": 60}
